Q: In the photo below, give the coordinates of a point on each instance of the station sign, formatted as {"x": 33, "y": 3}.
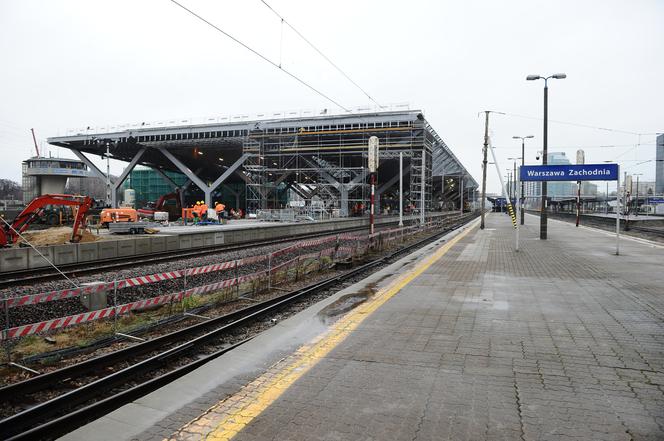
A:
{"x": 579, "y": 172}
{"x": 656, "y": 200}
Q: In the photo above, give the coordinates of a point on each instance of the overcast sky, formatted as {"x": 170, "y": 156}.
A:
{"x": 68, "y": 64}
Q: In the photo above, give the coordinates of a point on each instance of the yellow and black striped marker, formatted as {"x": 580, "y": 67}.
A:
{"x": 510, "y": 209}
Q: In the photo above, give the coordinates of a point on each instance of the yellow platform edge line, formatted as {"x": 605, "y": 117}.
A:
{"x": 267, "y": 388}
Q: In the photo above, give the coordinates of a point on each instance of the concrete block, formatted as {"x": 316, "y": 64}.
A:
{"x": 88, "y": 252}
{"x": 35, "y": 260}
{"x": 95, "y": 300}
{"x": 208, "y": 239}
{"x": 219, "y": 238}
{"x": 143, "y": 245}
{"x": 65, "y": 254}
{"x": 126, "y": 247}
{"x": 185, "y": 241}
{"x": 107, "y": 249}
{"x": 13, "y": 259}
{"x": 172, "y": 243}
{"x": 158, "y": 244}
{"x": 197, "y": 240}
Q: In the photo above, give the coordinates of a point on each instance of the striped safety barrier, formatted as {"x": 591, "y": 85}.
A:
{"x": 32, "y": 299}
{"x": 63, "y": 322}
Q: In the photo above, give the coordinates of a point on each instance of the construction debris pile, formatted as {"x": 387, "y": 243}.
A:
{"x": 56, "y": 236}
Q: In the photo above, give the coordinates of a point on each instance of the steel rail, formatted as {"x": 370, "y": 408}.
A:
{"x": 77, "y": 269}
{"x": 29, "y": 424}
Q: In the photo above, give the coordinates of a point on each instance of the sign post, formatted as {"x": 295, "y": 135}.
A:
{"x": 578, "y": 172}
{"x": 617, "y": 210}
{"x": 519, "y": 207}
{"x": 373, "y": 167}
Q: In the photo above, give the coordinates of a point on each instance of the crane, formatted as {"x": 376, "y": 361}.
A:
{"x": 9, "y": 233}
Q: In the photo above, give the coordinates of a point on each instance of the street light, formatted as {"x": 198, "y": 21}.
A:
{"x": 636, "y": 208}
{"x": 513, "y": 176}
{"x": 558, "y": 76}
{"x": 523, "y": 159}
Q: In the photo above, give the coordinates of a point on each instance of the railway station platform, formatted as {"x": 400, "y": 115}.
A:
{"x": 465, "y": 339}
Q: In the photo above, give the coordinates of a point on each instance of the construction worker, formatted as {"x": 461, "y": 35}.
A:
{"x": 220, "y": 209}
{"x": 196, "y": 210}
{"x": 204, "y": 210}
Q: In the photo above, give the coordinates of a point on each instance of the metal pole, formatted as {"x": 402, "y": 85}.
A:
{"x": 618, "y": 213}
{"x": 108, "y": 175}
{"x": 423, "y": 187}
{"x": 636, "y": 208}
{"x": 484, "y": 149}
{"x": 543, "y": 217}
{"x": 514, "y": 181}
{"x": 518, "y": 208}
{"x": 401, "y": 189}
{"x": 606, "y": 208}
{"x": 461, "y": 193}
{"x": 115, "y": 306}
{"x": 5, "y": 302}
{"x": 523, "y": 159}
{"x": 371, "y": 212}
{"x": 578, "y": 201}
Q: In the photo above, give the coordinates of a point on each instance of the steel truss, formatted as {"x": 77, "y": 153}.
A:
{"x": 327, "y": 166}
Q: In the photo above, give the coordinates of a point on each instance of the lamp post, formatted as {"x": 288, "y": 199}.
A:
{"x": 636, "y": 208}
{"x": 523, "y": 158}
{"x": 514, "y": 175}
{"x": 558, "y": 76}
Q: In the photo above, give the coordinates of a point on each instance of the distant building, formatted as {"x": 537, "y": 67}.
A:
{"x": 49, "y": 175}
{"x": 560, "y": 190}
{"x": 659, "y": 165}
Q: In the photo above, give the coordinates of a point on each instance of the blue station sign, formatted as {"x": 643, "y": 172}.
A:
{"x": 581, "y": 172}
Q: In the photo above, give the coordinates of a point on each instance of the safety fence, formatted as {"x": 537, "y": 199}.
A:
{"x": 342, "y": 246}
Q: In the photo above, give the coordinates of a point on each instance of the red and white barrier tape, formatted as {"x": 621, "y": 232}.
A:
{"x": 32, "y": 299}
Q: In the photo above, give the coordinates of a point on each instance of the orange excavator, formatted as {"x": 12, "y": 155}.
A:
{"x": 9, "y": 233}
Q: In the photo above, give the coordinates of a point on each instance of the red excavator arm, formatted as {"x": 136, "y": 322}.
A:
{"x": 175, "y": 195}
{"x": 8, "y": 235}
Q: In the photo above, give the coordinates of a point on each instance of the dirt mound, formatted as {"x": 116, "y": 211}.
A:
{"x": 56, "y": 236}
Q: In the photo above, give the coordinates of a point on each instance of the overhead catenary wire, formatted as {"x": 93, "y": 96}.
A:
{"x": 299, "y": 34}
{"x": 258, "y": 54}
{"x": 38, "y": 252}
{"x": 586, "y": 126}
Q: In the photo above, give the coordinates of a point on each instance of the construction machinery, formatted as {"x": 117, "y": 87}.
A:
{"x": 163, "y": 204}
{"x": 10, "y": 232}
{"x": 113, "y": 215}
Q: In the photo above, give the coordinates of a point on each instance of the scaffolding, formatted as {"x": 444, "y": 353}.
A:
{"x": 326, "y": 164}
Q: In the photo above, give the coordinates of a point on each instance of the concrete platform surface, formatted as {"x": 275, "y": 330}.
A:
{"x": 464, "y": 340}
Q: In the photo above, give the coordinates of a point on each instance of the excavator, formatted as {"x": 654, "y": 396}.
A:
{"x": 9, "y": 233}
{"x": 160, "y": 205}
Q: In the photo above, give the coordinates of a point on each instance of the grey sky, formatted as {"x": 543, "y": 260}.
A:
{"x": 73, "y": 64}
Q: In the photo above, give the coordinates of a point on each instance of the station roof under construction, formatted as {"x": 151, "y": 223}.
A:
{"x": 208, "y": 148}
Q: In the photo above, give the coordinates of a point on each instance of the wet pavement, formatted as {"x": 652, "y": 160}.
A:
{"x": 472, "y": 341}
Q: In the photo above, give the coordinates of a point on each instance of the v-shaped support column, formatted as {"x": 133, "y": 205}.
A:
{"x": 207, "y": 189}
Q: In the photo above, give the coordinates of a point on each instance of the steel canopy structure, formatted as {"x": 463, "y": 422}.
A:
{"x": 321, "y": 157}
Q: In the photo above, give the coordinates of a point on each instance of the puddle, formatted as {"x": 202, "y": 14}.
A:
{"x": 345, "y": 303}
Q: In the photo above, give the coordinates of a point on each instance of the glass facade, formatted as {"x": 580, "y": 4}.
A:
{"x": 149, "y": 185}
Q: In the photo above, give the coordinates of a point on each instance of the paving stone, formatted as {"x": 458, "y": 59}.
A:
{"x": 562, "y": 340}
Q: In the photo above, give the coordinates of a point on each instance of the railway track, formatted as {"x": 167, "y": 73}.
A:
{"x": 23, "y": 277}
{"x": 659, "y": 232}
{"x": 137, "y": 370}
